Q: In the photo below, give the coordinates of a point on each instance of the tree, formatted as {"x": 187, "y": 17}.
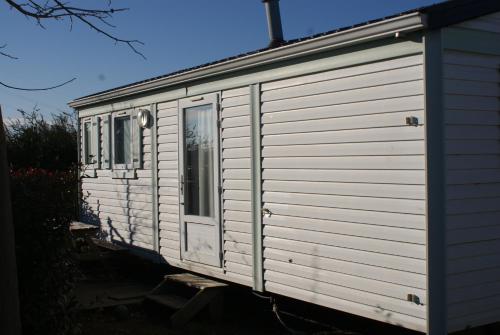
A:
{"x": 10, "y": 323}
{"x": 97, "y": 19}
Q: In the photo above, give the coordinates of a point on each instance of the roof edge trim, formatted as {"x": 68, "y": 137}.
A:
{"x": 401, "y": 24}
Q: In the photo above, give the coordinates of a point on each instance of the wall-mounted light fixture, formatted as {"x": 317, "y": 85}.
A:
{"x": 144, "y": 118}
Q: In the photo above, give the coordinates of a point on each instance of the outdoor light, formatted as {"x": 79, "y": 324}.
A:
{"x": 143, "y": 118}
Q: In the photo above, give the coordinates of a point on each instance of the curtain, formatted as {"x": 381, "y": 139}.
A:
{"x": 200, "y": 145}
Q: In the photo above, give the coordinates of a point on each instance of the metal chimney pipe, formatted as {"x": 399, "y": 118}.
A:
{"x": 274, "y": 22}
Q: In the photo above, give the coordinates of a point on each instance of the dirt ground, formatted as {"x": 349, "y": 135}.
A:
{"x": 243, "y": 312}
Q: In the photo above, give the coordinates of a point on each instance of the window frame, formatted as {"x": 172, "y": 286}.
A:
{"x": 126, "y": 166}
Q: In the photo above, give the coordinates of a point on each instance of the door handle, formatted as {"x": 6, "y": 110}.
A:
{"x": 266, "y": 212}
{"x": 181, "y": 184}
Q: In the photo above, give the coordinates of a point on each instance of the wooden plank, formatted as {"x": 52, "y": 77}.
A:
{"x": 236, "y": 132}
{"x": 235, "y": 226}
{"x": 400, "y": 104}
{"x": 473, "y": 191}
{"x": 463, "y": 87}
{"x": 349, "y": 215}
{"x": 348, "y": 228}
{"x": 382, "y": 134}
{"x": 237, "y": 195}
{"x": 348, "y": 189}
{"x": 346, "y": 149}
{"x": 353, "y": 202}
{"x": 363, "y": 297}
{"x": 470, "y": 72}
{"x": 235, "y": 111}
{"x": 476, "y": 103}
{"x": 456, "y": 177}
{"x": 236, "y": 153}
{"x": 236, "y": 163}
{"x": 406, "y": 177}
{"x": 380, "y": 273}
{"x": 470, "y": 59}
{"x": 237, "y": 237}
{"x": 407, "y": 162}
{"x": 237, "y": 121}
{"x": 235, "y": 205}
{"x": 242, "y": 142}
{"x": 343, "y": 97}
{"x": 346, "y": 241}
{"x": 312, "y": 250}
{"x": 235, "y": 184}
{"x": 235, "y": 101}
{"x": 373, "y": 67}
{"x": 348, "y": 83}
{"x": 472, "y": 132}
{"x": 236, "y": 174}
{"x": 344, "y": 280}
{"x": 394, "y": 119}
{"x": 348, "y": 306}
{"x": 235, "y": 92}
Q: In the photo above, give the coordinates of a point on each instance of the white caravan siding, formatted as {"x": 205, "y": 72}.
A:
{"x": 122, "y": 206}
{"x": 168, "y": 180}
{"x": 235, "y": 125}
{"x": 472, "y": 123}
{"x": 344, "y": 179}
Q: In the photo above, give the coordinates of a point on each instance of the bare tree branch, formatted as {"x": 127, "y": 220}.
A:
{"x": 57, "y": 10}
{"x": 36, "y": 89}
{"x": 6, "y": 54}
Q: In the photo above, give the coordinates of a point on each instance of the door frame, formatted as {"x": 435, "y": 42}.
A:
{"x": 216, "y": 259}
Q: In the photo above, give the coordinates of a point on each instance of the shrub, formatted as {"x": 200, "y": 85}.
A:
{"x": 32, "y": 141}
{"x": 44, "y": 201}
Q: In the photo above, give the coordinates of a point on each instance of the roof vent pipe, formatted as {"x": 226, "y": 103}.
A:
{"x": 274, "y": 22}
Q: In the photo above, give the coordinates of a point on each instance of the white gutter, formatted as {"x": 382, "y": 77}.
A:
{"x": 377, "y": 30}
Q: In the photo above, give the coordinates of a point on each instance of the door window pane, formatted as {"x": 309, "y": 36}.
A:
{"x": 122, "y": 140}
{"x": 87, "y": 138}
{"x": 200, "y": 143}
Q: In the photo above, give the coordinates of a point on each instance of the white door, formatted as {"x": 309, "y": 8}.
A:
{"x": 199, "y": 180}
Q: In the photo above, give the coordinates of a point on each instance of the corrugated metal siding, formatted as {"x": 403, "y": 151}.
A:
{"x": 343, "y": 176}
{"x": 472, "y": 117}
{"x": 122, "y": 206}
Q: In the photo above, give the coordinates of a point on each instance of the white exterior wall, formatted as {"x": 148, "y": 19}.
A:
{"x": 123, "y": 206}
{"x": 472, "y": 144}
{"x": 344, "y": 178}
{"x": 342, "y": 174}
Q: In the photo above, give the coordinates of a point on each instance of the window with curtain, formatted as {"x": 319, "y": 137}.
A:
{"x": 87, "y": 143}
{"x": 122, "y": 140}
{"x": 200, "y": 144}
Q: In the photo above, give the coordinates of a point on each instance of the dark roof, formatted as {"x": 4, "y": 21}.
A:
{"x": 439, "y": 15}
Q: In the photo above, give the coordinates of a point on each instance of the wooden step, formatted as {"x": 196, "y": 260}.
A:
{"x": 108, "y": 245}
{"x": 203, "y": 292}
{"x": 194, "y": 281}
{"x": 169, "y": 300}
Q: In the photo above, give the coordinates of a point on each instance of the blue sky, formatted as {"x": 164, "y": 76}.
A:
{"x": 177, "y": 34}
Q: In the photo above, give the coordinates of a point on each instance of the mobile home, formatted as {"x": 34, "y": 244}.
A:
{"x": 357, "y": 169}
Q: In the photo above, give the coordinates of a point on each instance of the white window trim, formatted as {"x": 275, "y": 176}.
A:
{"x": 121, "y": 167}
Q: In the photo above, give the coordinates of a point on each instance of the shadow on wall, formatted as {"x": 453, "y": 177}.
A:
{"x": 89, "y": 213}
